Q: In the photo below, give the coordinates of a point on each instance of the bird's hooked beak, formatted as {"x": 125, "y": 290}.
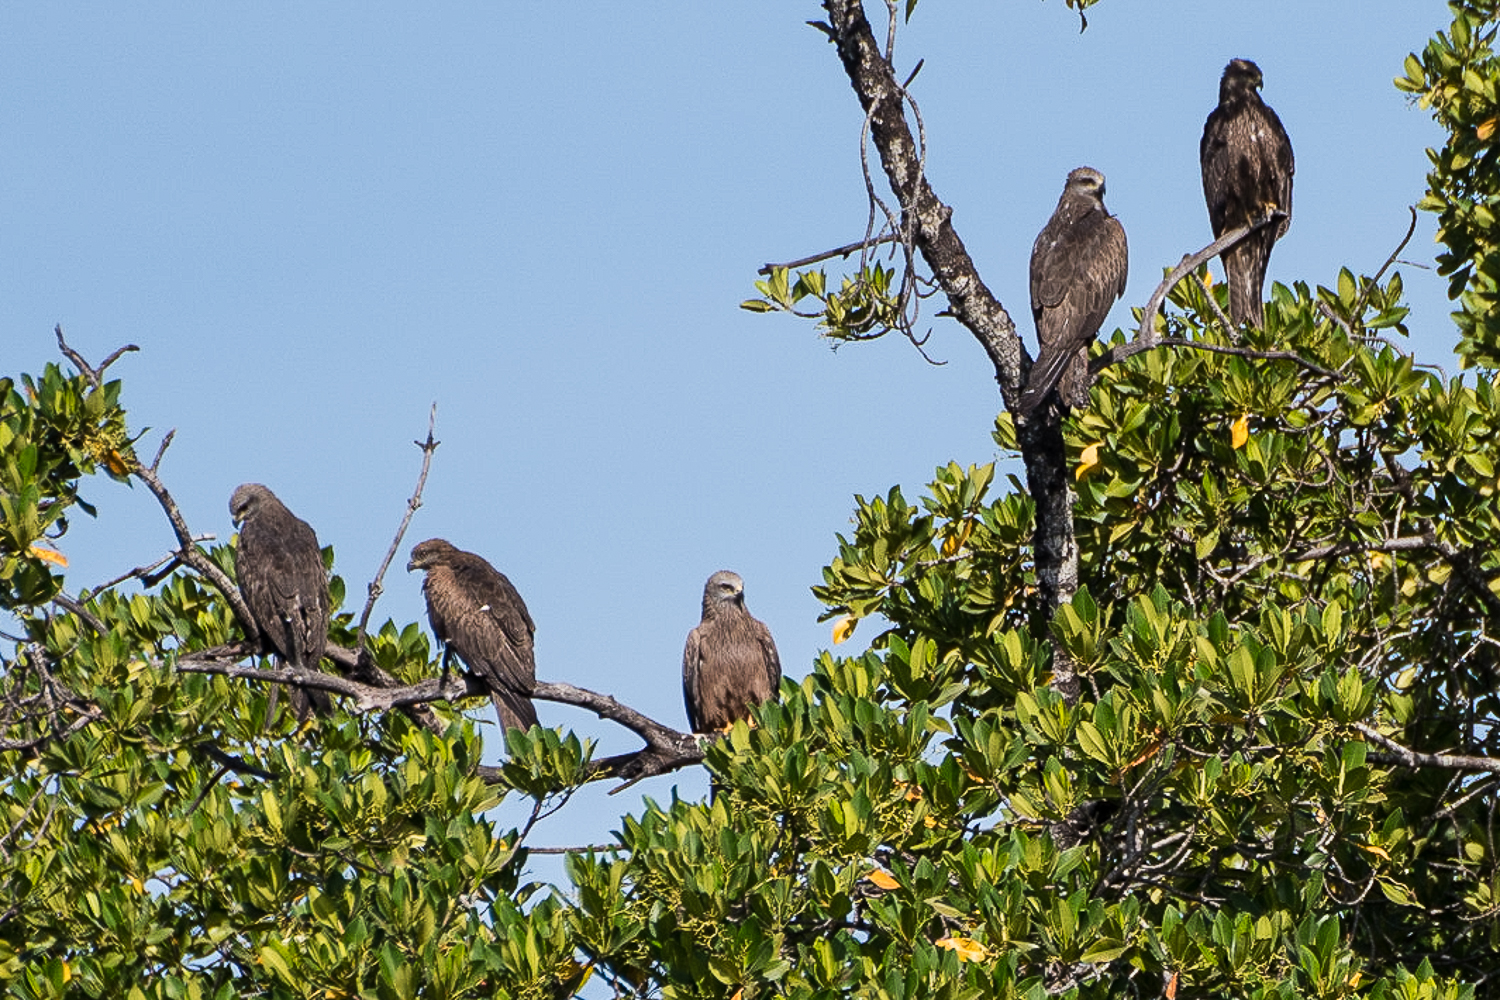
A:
{"x": 411, "y": 564}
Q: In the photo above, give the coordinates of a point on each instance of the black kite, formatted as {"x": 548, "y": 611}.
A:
{"x": 1247, "y": 165}
{"x": 730, "y": 664}
{"x": 1078, "y": 268}
{"x": 280, "y": 569}
{"x": 477, "y": 613}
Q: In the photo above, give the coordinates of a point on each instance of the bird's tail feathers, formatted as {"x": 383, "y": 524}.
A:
{"x": 515, "y": 710}
{"x": 1039, "y": 384}
{"x": 1245, "y": 266}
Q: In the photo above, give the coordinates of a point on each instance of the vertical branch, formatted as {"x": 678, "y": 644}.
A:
{"x": 970, "y": 301}
{"x": 376, "y": 586}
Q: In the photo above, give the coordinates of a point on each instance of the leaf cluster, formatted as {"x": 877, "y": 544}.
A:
{"x": 54, "y": 429}
{"x": 1457, "y": 76}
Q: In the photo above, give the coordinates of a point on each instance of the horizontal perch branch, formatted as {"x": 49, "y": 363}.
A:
{"x": 1412, "y": 758}
{"x": 666, "y": 748}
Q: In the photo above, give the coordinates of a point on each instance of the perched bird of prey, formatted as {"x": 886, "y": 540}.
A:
{"x": 1247, "y": 165}
{"x": 730, "y": 664}
{"x": 1078, "y": 269}
{"x": 477, "y": 613}
{"x": 280, "y": 569}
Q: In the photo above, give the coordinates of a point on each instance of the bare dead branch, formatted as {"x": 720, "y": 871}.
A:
{"x": 971, "y": 303}
{"x": 1146, "y": 336}
{"x": 1412, "y": 758}
{"x": 843, "y": 251}
{"x": 376, "y": 588}
{"x": 84, "y": 615}
{"x": 1120, "y": 352}
{"x": 882, "y": 99}
{"x": 666, "y": 749}
{"x": 584, "y": 849}
{"x": 94, "y": 375}
{"x": 188, "y": 551}
{"x": 1406, "y": 544}
{"x": 161, "y": 450}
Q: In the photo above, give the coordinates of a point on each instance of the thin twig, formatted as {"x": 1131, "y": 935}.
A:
{"x": 166, "y": 442}
{"x": 1359, "y": 306}
{"x": 1119, "y": 352}
{"x": 84, "y": 615}
{"x": 1146, "y": 336}
{"x": 89, "y": 372}
{"x": 231, "y": 762}
{"x": 584, "y": 849}
{"x": 843, "y": 251}
{"x": 152, "y": 573}
{"x": 428, "y": 447}
{"x": 1213, "y": 303}
{"x": 188, "y": 550}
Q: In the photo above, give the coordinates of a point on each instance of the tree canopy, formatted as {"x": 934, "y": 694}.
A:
{"x": 1205, "y": 705}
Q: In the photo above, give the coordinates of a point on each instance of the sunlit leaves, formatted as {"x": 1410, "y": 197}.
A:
{"x": 864, "y": 307}
{"x": 1455, "y": 78}
{"x": 53, "y": 430}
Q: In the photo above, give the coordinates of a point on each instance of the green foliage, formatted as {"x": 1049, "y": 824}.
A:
{"x": 1457, "y": 77}
{"x": 863, "y": 308}
{"x": 1246, "y": 608}
{"x": 161, "y": 842}
{"x": 1288, "y": 573}
{"x": 53, "y": 431}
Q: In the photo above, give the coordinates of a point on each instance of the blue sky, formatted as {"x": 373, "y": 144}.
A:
{"x": 317, "y": 220}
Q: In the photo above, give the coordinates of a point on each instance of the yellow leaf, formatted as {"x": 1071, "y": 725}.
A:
{"x": 843, "y": 629}
{"x": 1377, "y": 851}
{"x": 1172, "y": 987}
{"x": 956, "y": 539}
{"x": 138, "y": 886}
{"x": 929, "y": 821}
{"x": 882, "y": 880}
{"x": 1379, "y": 561}
{"x": 1239, "y": 433}
{"x": 1208, "y": 279}
{"x": 1485, "y": 130}
{"x": 116, "y": 462}
{"x": 967, "y": 949}
{"x": 67, "y": 972}
{"x": 1090, "y": 461}
{"x": 48, "y": 555}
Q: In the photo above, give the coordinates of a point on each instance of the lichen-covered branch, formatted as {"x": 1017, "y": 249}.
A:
{"x": 926, "y": 217}
{"x": 970, "y": 301}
